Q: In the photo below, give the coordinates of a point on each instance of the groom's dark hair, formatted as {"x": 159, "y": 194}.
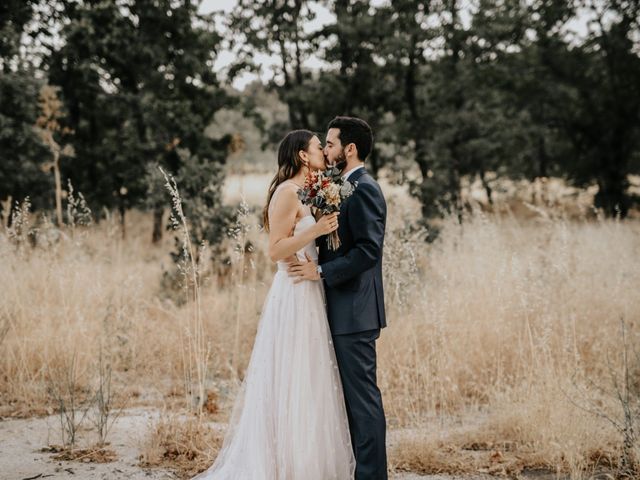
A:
{"x": 354, "y": 130}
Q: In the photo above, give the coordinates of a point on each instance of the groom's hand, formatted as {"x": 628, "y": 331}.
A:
{"x": 300, "y": 270}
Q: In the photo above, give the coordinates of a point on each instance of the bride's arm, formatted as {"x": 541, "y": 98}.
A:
{"x": 282, "y": 222}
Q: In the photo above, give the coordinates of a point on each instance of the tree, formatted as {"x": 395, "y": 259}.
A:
{"x": 275, "y": 28}
{"x": 356, "y": 85}
{"x": 406, "y": 64}
{"x": 21, "y": 149}
{"x": 588, "y": 92}
{"x": 440, "y": 99}
{"x": 48, "y": 123}
{"x": 604, "y": 121}
{"x": 138, "y": 82}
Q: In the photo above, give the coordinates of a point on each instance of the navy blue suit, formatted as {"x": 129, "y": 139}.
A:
{"x": 355, "y": 309}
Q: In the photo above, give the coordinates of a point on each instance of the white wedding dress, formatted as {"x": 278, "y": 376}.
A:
{"x": 289, "y": 420}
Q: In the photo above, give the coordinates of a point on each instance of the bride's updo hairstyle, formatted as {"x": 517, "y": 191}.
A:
{"x": 289, "y": 164}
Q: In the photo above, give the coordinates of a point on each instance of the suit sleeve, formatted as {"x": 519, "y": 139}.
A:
{"x": 367, "y": 215}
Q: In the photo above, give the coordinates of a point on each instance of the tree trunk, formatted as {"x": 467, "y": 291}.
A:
{"x": 487, "y": 187}
{"x": 457, "y": 102}
{"x": 417, "y": 132}
{"x": 284, "y": 58}
{"x": 543, "y": 158}
{"x": 56, "y": 174}
{"x": 344, "y": 106}
{"x": 158, "y": 213}
{"x": 9, "y": 210}
{"x": 122, "y": 211}
{"x": 454, "y": 183}
{"x": 299, "y": 79}
{"x": 612, "y": 195}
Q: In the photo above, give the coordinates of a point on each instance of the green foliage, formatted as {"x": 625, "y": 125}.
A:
{"x": 508, "y": 90}
{"x": 22, "y": 153}
{"x": 276, "y": 28}
{"x": 199, "y": 182}
{"x": 485, "y": 90}
{"x": 21, "y": 150}
{"x": 137, "y": 80}
{"x": 600, "y": 114}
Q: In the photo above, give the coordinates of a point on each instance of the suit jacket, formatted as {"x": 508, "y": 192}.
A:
{"x": 353, "y": 273}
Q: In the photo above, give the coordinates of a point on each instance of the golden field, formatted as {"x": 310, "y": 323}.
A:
{"x": 504, "y": 352}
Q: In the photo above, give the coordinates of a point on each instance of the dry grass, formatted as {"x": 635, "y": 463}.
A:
{"x": 500, "y": 304}
{"x": 494, "y": 331}
{"x": 510, "y": 319}
{"x": 185, "y": 445}
{"x": 87, "y": 455}
{"x": 512, "y": 435}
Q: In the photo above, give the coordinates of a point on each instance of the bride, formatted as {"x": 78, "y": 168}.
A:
{"x": 289, "y": 420}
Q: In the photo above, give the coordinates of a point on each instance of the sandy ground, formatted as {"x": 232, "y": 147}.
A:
{"x": 21, "y": 458}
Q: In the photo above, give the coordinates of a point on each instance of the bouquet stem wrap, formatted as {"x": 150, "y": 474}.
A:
{"x": 333, "y": 241}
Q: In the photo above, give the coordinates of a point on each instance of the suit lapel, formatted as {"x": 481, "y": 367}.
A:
{"x": 353, "y": 179}
{"x": 356, "y": 175}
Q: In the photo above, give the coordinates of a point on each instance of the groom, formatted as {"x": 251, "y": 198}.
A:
{"x": 353, "y": 284}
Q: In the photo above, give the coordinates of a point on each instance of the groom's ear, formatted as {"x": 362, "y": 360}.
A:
{"x": 352, "y": 149}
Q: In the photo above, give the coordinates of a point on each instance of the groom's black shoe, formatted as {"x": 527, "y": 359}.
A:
{"x": 356, "y": 355}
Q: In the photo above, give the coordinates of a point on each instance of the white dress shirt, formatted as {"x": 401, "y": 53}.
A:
{"x": 348, "y": 174}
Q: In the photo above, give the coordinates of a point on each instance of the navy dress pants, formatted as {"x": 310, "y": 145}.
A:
{"x": 356, "y": 357}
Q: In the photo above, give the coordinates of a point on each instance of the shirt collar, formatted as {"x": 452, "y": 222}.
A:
{"x": 348, "y": 174}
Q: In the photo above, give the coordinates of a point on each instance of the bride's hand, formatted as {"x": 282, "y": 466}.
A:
{"x": 327, "y": 224}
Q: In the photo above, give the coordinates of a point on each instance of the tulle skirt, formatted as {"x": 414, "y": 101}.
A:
{"x": 289, "y": 420}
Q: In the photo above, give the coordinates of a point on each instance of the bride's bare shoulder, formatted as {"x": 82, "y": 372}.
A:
{"x": 285, "y": 199}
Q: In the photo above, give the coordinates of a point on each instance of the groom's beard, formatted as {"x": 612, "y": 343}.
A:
{"x": 341, "y": 161}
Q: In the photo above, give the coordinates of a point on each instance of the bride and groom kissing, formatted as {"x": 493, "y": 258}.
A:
{"x": 309, "y": 407}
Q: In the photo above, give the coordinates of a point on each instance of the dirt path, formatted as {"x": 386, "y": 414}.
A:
{"x": 21, "y": 458}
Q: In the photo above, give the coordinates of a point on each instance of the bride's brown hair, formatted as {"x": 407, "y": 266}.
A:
{"x": 289, "y": 164}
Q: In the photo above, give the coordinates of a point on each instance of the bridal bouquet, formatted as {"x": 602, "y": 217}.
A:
{"x": 325, "y": 190}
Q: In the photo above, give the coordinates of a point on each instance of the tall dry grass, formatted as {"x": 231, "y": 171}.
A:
{"x": 495, "y": 332}
{"x": 510, "y": 323}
